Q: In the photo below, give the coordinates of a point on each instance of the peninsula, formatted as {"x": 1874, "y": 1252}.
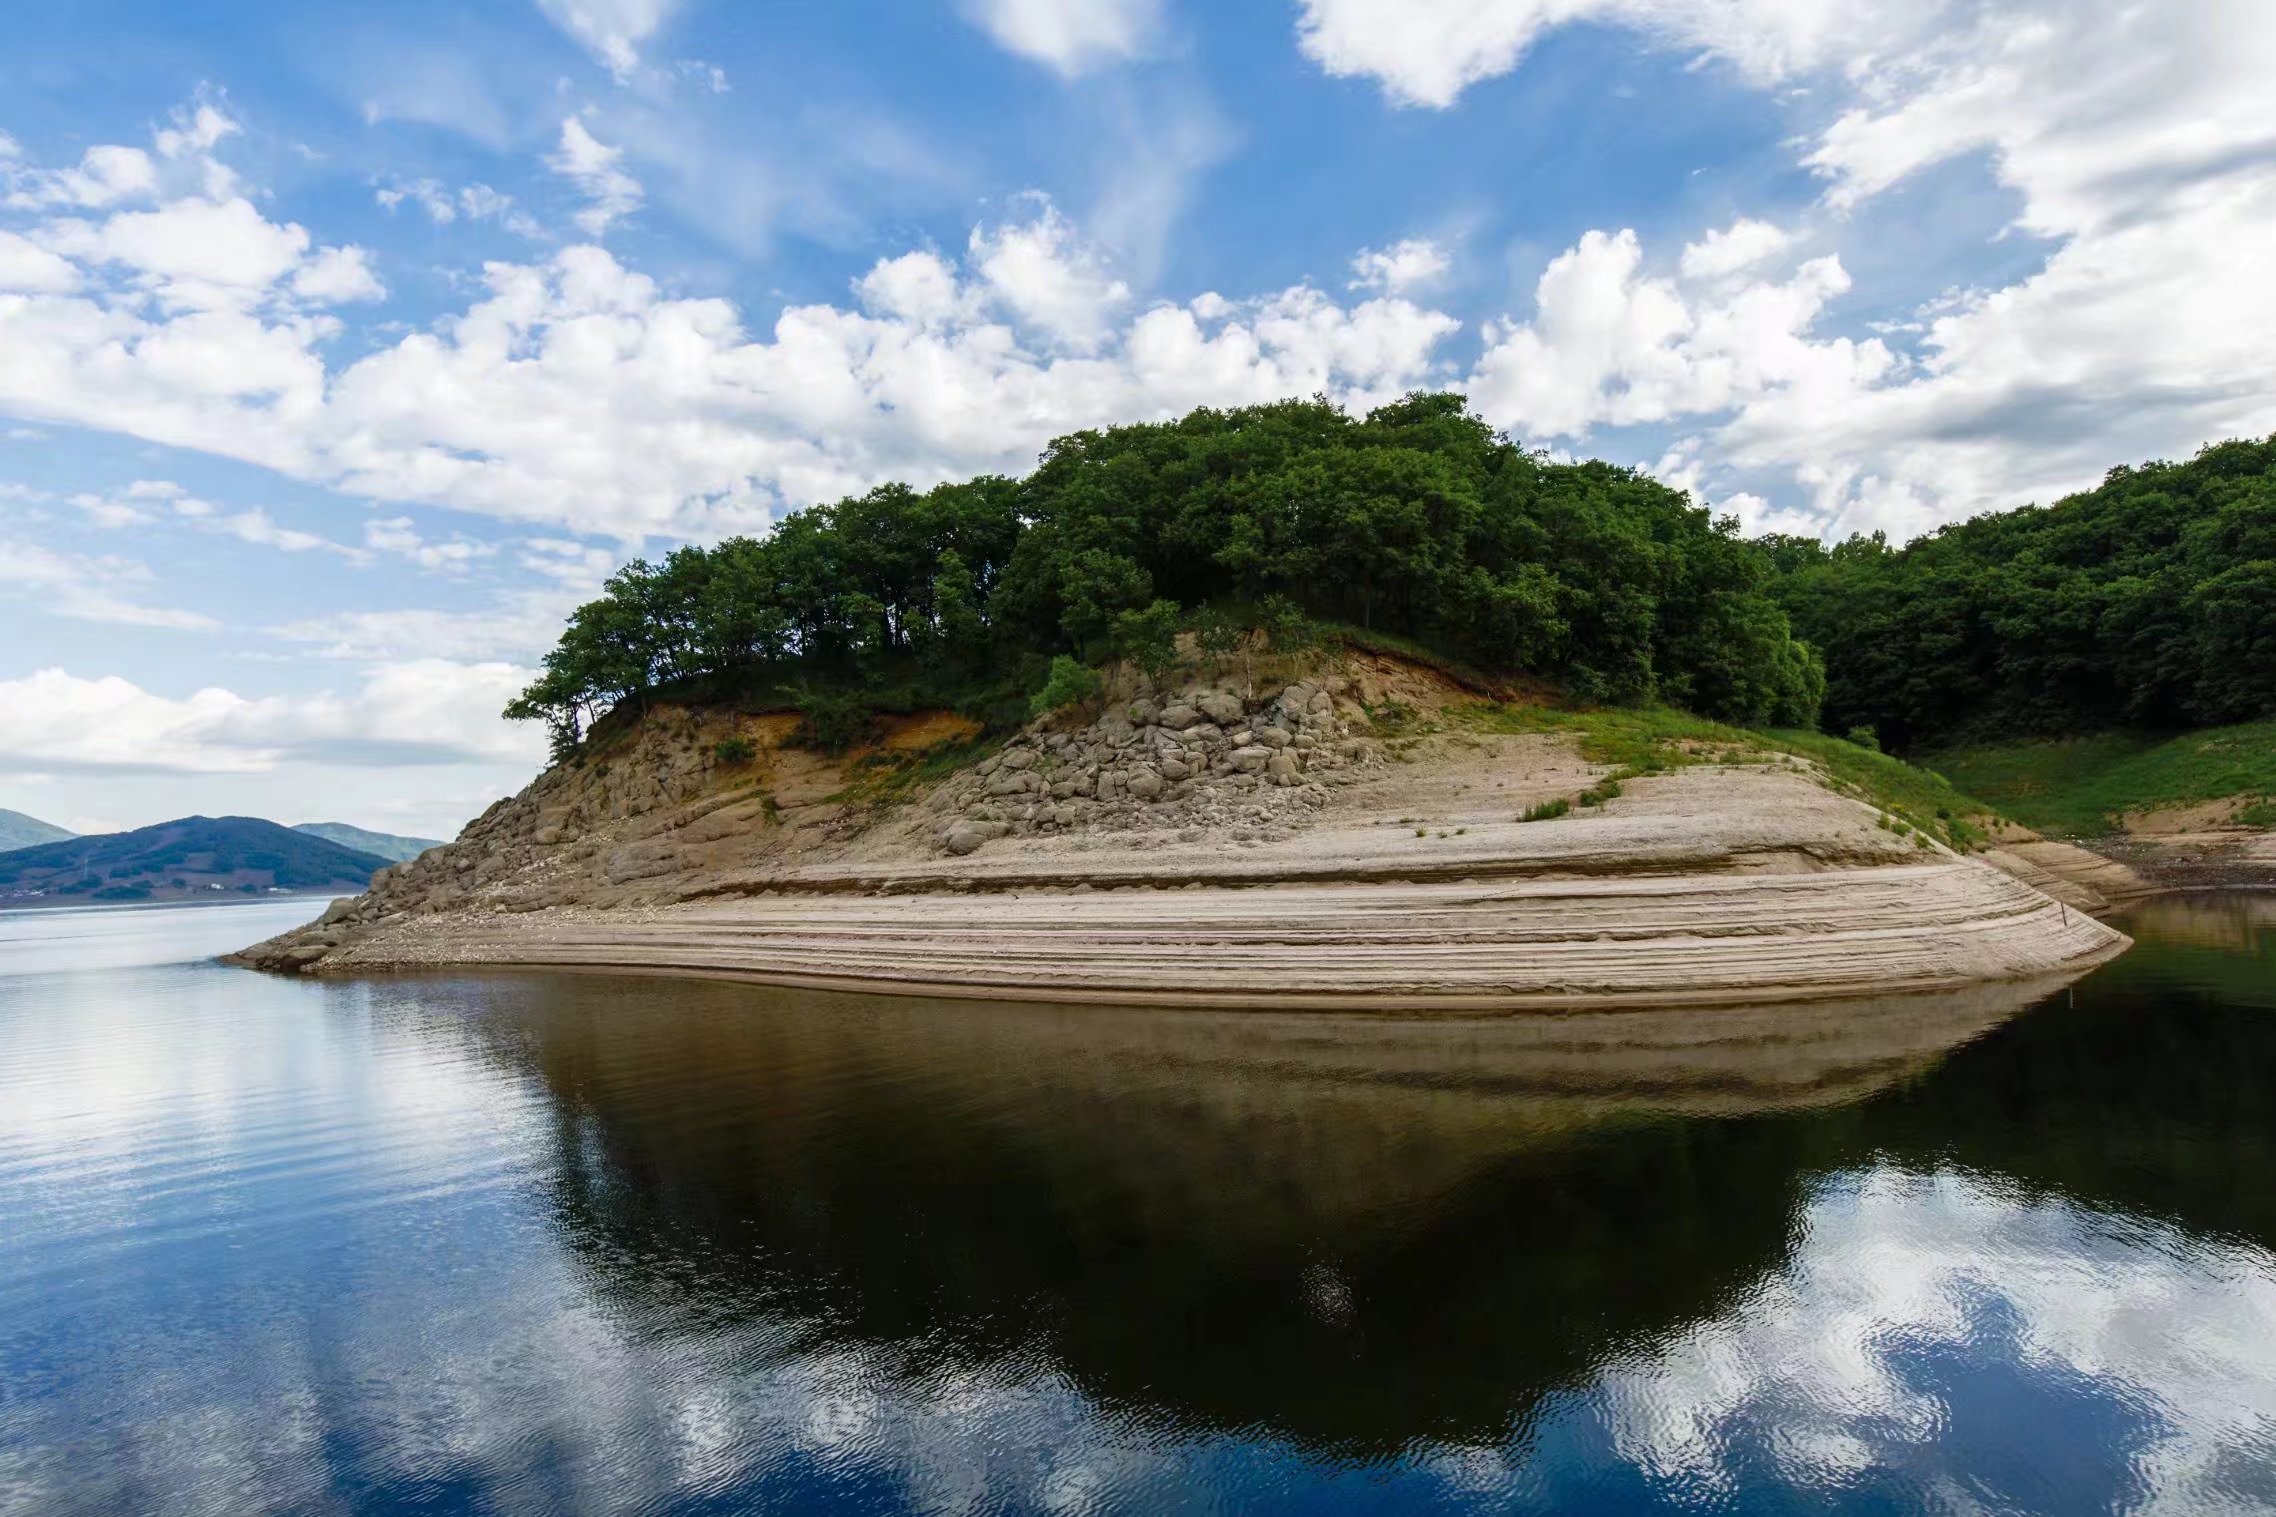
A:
{"x": 1285, "y": 706}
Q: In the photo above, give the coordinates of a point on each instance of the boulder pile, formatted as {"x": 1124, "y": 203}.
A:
{"x": 1195, "y": 757}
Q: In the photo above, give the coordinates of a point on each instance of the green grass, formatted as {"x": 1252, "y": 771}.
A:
{"x": 1637, "y": 740}
{"x": 2083, "y": 786}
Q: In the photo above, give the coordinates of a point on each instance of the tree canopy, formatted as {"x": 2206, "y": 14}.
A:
{"x": 1416, "y": 520}
{"x": 2147, "y": 603}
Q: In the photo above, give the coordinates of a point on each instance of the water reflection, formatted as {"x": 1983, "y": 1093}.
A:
{"x": 586, "y": 1244}
{"x": 1354, "y": 1233}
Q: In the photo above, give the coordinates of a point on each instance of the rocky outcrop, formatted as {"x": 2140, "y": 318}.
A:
{"x": 1223, "y": 841}
{"x": 1197, "y": 756}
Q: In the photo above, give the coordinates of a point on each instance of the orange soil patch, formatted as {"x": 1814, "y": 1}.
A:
{"x": 769, "y": 729}
{"x": 927, "y": 729}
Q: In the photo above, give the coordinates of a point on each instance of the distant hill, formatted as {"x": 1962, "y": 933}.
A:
{"x": 20, "y": 831}
{"x": 195, "y": 858}
{"x": 387, "y": 845}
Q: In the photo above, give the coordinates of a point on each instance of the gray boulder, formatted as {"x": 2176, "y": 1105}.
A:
{"x": 1220, "y": 706}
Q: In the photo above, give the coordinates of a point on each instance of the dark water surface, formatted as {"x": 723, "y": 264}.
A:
{"x": 560, "y": 1244}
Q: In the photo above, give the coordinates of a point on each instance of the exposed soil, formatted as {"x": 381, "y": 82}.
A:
{"x": 1255, "y": 837}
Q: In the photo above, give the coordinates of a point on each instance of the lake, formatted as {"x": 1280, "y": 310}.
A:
{"x": 538, "y": 1244}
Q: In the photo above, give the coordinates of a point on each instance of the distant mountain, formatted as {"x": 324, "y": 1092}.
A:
{"x": 387, "y": 845}
{"x": 20, "y": 831}
{"x": 195, "y": 858}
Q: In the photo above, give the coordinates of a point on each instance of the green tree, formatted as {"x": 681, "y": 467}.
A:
{"x": 1070, "y": 683}
{"x": 1149, "y": 637}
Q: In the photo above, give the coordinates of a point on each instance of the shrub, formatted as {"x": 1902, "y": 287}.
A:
{"x": 1149, "y": 638}
{"x": 1214, "y": 634}
{"x": 1865, "y": 737}
{"x": 1285, "y": 623}
{"x": 735, "y": 752}
{"x": 1069, "y": 684}
{"x": 831, "y": 720}
{"x": 1547, "y": 811}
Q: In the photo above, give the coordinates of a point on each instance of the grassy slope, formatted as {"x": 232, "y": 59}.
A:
{"x": 2080, "y": 786}
{"x": 1640, "y": 740}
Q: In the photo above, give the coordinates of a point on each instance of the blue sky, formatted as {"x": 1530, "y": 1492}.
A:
{"x": 343, "y": 349}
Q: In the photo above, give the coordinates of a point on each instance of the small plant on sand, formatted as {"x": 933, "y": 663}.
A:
{"x": 1547, "y": 811}
{"x": 735, "y": 752}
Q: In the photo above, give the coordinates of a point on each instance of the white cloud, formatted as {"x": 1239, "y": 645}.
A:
{"x": 918, "y": 287}
{"x": 1427, "y": 52}
{"x": 1734, "y": 249}
{"x": 1072, "y": 37}
{"x": 256, "y": 527}
{"x": 611, "y": 30}
{"x": 398, "y": 536}
{"x": 575, "y": 392}
{"x": 443, "y": 205}
{"x": 336, "y": 275}
{"x": 1609, "y": 344}
{"x": 87, "y": 588}
{"x": 191, "y": 247}
{"x": 1048, "y": 278}
{"x": 25, "y": 266}
{"x": 107, "y": 513}
{"x": 106, "y": 174}
{"x": 417, "y": 712}
{"x": 593, "y": 167}
{"x": 1412, "y": 264}
{"x": 196, "y": 130}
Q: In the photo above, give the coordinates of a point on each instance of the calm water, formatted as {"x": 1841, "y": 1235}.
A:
{"x": 558, "y": 1244}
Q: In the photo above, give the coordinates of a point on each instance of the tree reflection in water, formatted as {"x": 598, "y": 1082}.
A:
{"x": 1352, "y": 1233}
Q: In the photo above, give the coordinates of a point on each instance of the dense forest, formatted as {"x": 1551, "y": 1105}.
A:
{"x": 2149, "y": 602}
{"x": 1416, "y": 521}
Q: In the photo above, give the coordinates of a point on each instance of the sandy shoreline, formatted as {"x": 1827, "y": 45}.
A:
{"x": 1664, "y": 940}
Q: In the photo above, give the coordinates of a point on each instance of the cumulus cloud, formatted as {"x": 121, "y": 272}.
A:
{"x": 417, "y": 712}
{"x": 1046, "y": 277}
{"x": 337, "y": 275}
{"x": 27, "y": 268}
{"x": 596, "y": 169}
{"x": 2138, "y": 143}
{"x": 1412, "y": 264}
{"x": 575, "y": 392}
{"x": 1072, "y": 37}
{"x": 1733, "y": 249}
{"x": 1612, "y": 344}
{"x": 105, "y": 175}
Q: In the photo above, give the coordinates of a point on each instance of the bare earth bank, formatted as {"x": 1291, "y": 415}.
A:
{"x": 1268, "y": 851}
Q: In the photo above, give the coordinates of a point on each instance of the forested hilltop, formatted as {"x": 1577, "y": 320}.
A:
{"x": 2149, "y": 602}
{"x": 1415, "y": 521}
